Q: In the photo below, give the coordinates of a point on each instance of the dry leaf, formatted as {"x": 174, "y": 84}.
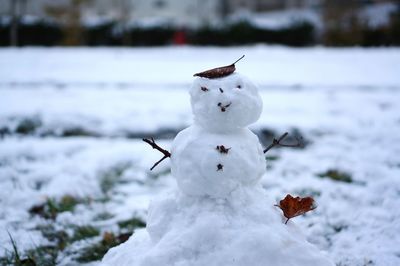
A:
{"x": 218, "y": 72}
{"x": 108, "y": 237}
{"x": 293, "y": 207}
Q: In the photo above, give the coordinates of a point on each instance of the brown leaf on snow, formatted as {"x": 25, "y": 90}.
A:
{"x": 218, "y": 72}
{"x": 293, "y": 207}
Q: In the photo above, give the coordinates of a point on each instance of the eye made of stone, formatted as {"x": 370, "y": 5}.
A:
{"x": 204, "y": 88}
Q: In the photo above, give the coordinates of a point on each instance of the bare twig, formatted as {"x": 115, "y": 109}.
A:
{"x": 238, "y": 59}
{"x": 153, "y": 144}
{"x": 277, "y": 142}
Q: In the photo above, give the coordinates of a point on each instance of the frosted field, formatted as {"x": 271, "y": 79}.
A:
{"x": 74, "y": 173}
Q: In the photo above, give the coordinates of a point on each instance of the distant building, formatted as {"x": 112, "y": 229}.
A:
{"x": 190, "y": 13}
{"x": 179, "y": 13}
{"x": 268, "y": 5}
{"x": 196, "y": 13}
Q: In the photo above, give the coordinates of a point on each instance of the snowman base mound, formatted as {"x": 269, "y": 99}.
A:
{"x": 240, "y": 230}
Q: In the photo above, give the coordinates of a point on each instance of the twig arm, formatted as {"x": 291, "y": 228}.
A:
{"x": 277, "y": 142}
{"x": 238, "y": 59}
{"x": 154, "y": 145}
{"x": 159, "y": 161}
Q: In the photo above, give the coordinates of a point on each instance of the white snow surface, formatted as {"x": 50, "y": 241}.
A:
{"x": 172, "y": 67}
{"x": 343, "y": 101}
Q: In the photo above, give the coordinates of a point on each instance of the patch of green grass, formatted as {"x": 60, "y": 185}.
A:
{"x": 131, "y": 224}
{"x": 61, "y": 239}
{"x": 308, "y": 192}
{"x": 336, "y": 175}
{"x": 103, "y": 199}
{"x": 110, "y": 177}
{"x": 14, "y": 257}
{"x": 84, "y": 232}
{"x": 51, "y": 208}
{"x": 28, "y": 125}
{"x": 40, "y": 256}
{"x": 58, "y": 238}
{"x": 96, "y": 251}
{"x": 77, "y": 131}
{"x": 44, "y": 255}
{"x": 103, "y": 216}
{"x": 47, "y": 255}
{"x": 6, "y": 260}
{"x": 158, "y": 174}
{"x": 67, "y": 203}
{"x": 4, "y": 131}
{"x": 272, "y": 157}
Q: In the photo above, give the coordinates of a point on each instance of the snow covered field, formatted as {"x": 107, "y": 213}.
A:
{"x": 74, "y": 173}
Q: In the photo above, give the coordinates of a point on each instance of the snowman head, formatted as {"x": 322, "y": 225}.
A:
{"x": 226, "y": 103}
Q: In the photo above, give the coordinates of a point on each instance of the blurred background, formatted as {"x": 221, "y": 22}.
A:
{"x": 83, "y": 81}
{"x": 199, "y": 22}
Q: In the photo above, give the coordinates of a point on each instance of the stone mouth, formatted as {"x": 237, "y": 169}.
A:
{"x": 223, "y": 107}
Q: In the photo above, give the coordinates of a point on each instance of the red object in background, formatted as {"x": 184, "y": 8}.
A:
{"x": 179, "y": 37}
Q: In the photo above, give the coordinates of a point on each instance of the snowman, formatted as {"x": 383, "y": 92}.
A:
{"x": 219, "y": 214}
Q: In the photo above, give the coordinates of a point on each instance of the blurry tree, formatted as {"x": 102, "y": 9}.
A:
{"x": 70, "y": 15}
{"x": 394, "y": 30}
{"x": 342, "y": 23}
{"x": 15, "y": 13}
{"x": 124, "y": 17}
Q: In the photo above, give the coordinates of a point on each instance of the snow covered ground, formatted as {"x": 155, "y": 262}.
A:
{"x": 74, "y": 174}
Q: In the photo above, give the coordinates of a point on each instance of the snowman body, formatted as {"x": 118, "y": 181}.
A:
{"x": 219, "y": 215}
{"x": 219, "y": 153}
{"x": 215, "y": 164}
